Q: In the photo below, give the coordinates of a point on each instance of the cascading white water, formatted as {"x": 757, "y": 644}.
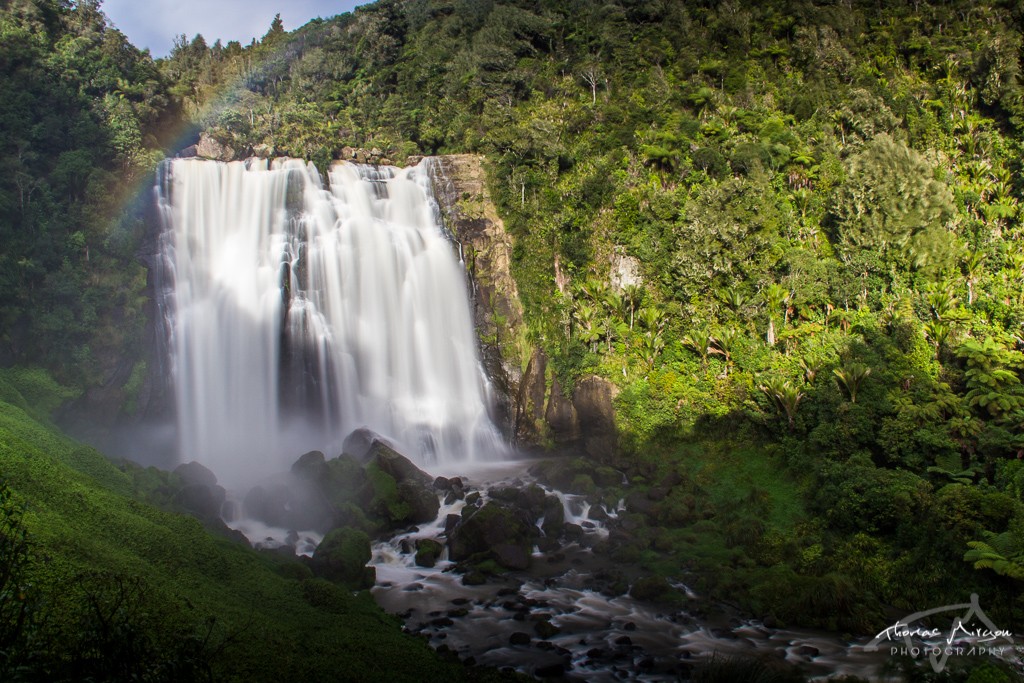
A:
{"x": 298, "y": 313}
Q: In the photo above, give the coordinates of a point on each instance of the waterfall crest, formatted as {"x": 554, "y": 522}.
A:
{"x": 297, "y": 313}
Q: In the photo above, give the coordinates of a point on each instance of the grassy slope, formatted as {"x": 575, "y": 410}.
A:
{"x": 82, "y": 518}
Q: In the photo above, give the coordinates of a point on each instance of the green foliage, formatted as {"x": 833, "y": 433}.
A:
{"x": 33, "y": 390}
{"x": 1002, "y": 553}
{"x": 785, "y": 397}
{"x": 82, "y": 111}
{"x": 851, "y": 376}
{"x": 992, "y": 383}
{"x": 344, "y": 552}
{"x": 19, "y": 599}
{"x": 133, "y": 593}
{"x": 892, "y": 209}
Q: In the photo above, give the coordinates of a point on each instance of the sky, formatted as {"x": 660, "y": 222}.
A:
{"x": 155, "y": 23}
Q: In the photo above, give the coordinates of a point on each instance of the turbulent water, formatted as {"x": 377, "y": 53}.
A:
{"x": 297, "y": 313}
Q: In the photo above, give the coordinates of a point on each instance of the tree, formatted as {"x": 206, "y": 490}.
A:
{"x": 972, "y": 268}
{"x": 1002, "y": 553}
{"x": 632, "y": 295}
{"x": 699, "y": 341}
{"x": 992, "y": 382}
{"x": 588, "y": 327}
{"x": 276, "y": 31}
{"x": 733, "y": 297}
{"x": 775, "y": 296}
{"x": 784, "y": 396}
{"x": 851, "y": 376}
{"x": 892, "y": 206}
{"x": 724, "y": 343}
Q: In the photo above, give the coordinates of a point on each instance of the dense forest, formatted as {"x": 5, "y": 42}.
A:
{"x": 820, "y": 363}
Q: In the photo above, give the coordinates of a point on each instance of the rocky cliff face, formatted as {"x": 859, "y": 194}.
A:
{"x": 487, "y": 252}
{"x": 533, "y": 408}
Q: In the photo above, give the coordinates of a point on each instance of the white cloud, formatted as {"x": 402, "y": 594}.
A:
{"x": 155, "y": 23}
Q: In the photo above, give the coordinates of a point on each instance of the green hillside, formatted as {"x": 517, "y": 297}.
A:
{"x": 97, "y": 585}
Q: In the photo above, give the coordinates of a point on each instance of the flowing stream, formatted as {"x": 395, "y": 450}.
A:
{"x": 297, "y": 313}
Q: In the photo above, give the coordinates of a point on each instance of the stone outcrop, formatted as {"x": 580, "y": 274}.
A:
{"x": 210, "y": 148}
{"x": 342, "y": 557}
{"x": 594, "y": 401}
{"x": 371, "y": 156}
{"x": 497, "y": 531}
{"x": 533, "y": 408}
{"x": 561, "y": 415}
{"x": 529, "y": 400}
{"x": 487, "y": 252}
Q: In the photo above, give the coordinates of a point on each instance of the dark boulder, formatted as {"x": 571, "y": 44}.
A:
{"x": 342, "y": 557}
{"x": 397, "y": 465}
{"x": 519, "y": 638}
{"x": 545, "y": 629}
{"x": 267, "y": 504}
{"x": 201, "y": 500}
{"x": 474, "y": 578}
{"x": 397, "y": 492}
{"x": 427, "y": 552}
{"x": 360, "y": 442}
{"x": 530, "y": 499}
{"x": 196, "y": 474}
{"x": 650, "y": 588}
{"x": 311, "y": 466}
{"x": 422, "y": 501}
{"x": 554, "y": 516}
{"x": 496, "y": 531}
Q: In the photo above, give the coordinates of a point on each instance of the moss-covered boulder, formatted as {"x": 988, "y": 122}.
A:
{"x": 553, "y": 513}
{"x": 527, "y": 498}
{"x": 397, "y": 465}
{"x": 495, "y": 531}
{"x": 381, "y": 497}
{"x": 311, "y": 466}
{"x": 397, "y": 492}
{"x": 194, "y": 490}
{"x": 427, "y": 552}
{"x": 200, "y": 501}
{"x": 651, "y": 588}
{"x": 342, "y": 557}
{"x": 422, "y": 501}
{"x": 359, "y": 443}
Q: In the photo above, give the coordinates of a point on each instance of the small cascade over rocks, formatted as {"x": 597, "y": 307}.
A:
{"x": 504, "y": 570}
{"x": 297, "y": 312}
{"x": 570, "y": 612}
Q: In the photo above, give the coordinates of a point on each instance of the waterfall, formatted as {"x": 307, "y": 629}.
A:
{"x": 296, "y": 313}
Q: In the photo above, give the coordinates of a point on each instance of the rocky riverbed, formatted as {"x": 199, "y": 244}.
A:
{"x": 498, "y": 566}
